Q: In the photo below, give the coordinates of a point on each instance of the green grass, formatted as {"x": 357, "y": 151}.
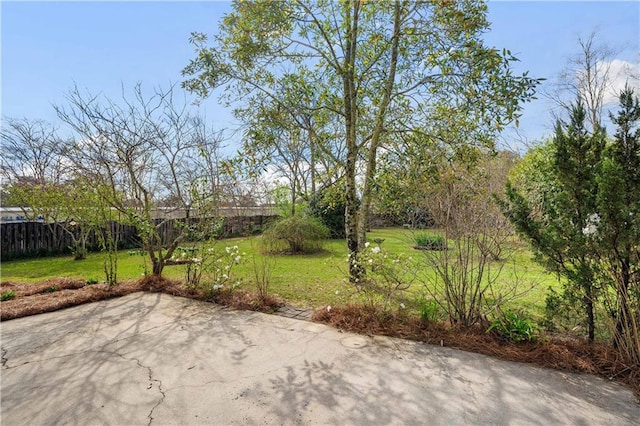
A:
{"x": 317, "y": 280}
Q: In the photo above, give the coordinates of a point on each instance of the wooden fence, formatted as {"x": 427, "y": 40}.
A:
{"x": 30, "y": 239}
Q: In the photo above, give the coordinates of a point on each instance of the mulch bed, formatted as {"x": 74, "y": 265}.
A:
{"x": 559, "y": 353}
{"x": 55, "y": 294}
{"x": 60, "y": 293}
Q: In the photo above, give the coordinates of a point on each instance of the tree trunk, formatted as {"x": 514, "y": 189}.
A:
{"x": 351, "y": 121}
{"x": 158, "y": 266}
{"x": 365, "y": 206}
{"x": 591, "y": 327}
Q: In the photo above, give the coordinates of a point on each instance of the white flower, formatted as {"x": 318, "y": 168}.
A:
{"x": 329, "y": 308}
{"x": 375, "y": 250}
{"x": 402, "y": 306}
{"x": 196, "y": 260}
{"x": 237, "y": 259}
{"x": 225, "y": 276}
{"x": 370, "y": 260}
{"x": 337, "y": 292}
{"x": 235, "y": 248}
{"x": 217, "y": 286}
{"x": 227, "y": 249}
{"x": 210, "y": 249}
{"x": 367, "y": 244}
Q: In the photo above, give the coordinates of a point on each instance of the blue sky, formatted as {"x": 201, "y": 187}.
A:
{"x": 49, "y": 46}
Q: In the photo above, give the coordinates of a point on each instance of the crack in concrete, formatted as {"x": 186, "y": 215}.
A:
{"x": 151, "y": 379}
{"x": 149, "y": 370}
{"x": 164, "y": 395}
{"x": 7, "y": 367}
{"x": 4, "y": 359}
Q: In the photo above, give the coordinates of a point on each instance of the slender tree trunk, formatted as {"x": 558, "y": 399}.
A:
{"x": 312, "y": 142}
{"x": 365, "y": 206}
{"x": 293, "y": 197}
{"x": 351, "y": 118}
{"x": 591, "y": 328}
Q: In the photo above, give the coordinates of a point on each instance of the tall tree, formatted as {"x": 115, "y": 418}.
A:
{"x": 618, "y": 232}
{"x": 557, "y": 214}
{"x": 415, "y": 62}
{"x": 30, "y": 152}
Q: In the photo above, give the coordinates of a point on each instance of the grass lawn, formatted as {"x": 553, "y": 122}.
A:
{"x": 314, "y": 280}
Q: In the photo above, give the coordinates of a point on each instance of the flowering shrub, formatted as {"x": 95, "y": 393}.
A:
{"x": 209, "y": 269}
{"x": 384, "y": 276}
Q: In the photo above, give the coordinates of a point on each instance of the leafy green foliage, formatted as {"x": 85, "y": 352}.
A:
{"x": 8, "y": 295}
{"x": 562, "y": 312}
{"x": 328, "y": 205}
{"x": 429, "y": 241}
{"x": 555, "y": 213}
{"x": 514, "y": 326}
{"x": 430, "y": 311}
{"x": 616, "y": 233}
{"x": 301, "y": 234}
{"x": 375, "y": 74}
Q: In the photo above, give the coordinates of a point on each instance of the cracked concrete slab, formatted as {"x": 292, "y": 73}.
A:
{"x": 156, "y": 359}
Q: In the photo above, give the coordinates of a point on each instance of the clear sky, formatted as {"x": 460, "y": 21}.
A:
{"x": 49, "y": 46}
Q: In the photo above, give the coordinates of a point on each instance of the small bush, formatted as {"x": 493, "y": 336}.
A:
{"x": 51, "y": 289}
{"x": 92, "y": 281}
{"x": 429, "y": 311}
{"x": 8, "y": 295}
{"x": 429, "y": 242}
{"x": 514, "y": 326}
{"x": 208, "y": 269}
{"x": 296, "y": 235}
{"x": 384, "y": 277}
{"x": 328, "y": 204}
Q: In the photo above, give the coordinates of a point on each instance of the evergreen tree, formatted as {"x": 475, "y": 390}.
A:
{"x": 618, "y": 234}
{"x": 559, "y": 228}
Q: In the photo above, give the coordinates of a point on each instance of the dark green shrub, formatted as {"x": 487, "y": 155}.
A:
{"x": 295, "y": 234}
{"x": 562, "y": 312}
{"x": 514, "y": 326}
{"x": 328, "y": 205}
{"x": 8, "y": 295}
{"x": 429, "y": 242}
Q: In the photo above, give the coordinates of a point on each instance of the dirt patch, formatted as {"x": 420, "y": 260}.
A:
{"x": 552, "y": 352}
